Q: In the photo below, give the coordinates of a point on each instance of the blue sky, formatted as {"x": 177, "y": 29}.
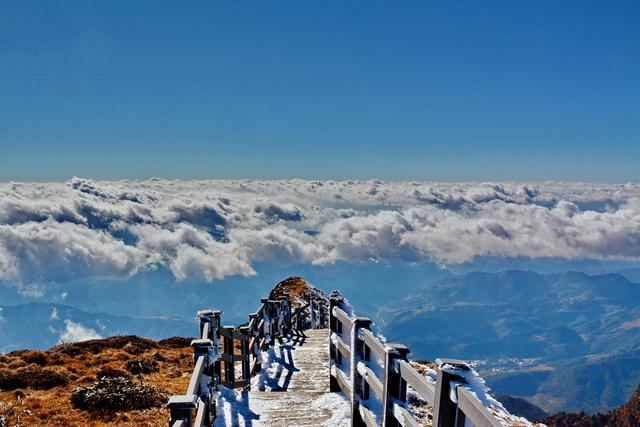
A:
{"x": 340, "y": 90}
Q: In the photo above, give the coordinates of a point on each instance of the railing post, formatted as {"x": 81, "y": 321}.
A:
{"x": 286, "y": 308}
{"x": 204, "y": 348}
{"x": 321, "y": 313}
{"x": 212, "y": 318}
{"x": 254, "y": 332}
{"x": 312, "y": 313}
{"x": 444, "y": 409}
{"x": 244, "y": 350}
{"x": 335, "y": 300}
{"x": 181, "y": 409}
{"x": 229, "y": 368}
{"x": 299, "y": 321}
{"x": 268, "y": 315}
{"x": 394, "y": 387}
{"x": 357, "y": 354}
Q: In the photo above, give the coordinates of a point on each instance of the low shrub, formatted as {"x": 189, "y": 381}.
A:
{"x": 129, "y": 343}
{"x": 175, "y": 342}
{"x": 142, "y": 366}
{"x": 35, "y": 356}
{"x": 32, "y": 376}
{"x": 113, "y": 394}
{"x": 110, "y": 372}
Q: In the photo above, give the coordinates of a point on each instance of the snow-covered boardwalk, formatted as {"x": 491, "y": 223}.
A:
{"x": 291, "y": 390}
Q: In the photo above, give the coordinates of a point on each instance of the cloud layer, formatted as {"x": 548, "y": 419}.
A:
{"x": 207, "y": 230}
{"x": 75, "y": 332}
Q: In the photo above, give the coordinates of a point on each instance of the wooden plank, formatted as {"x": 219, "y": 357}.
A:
{"x": 179, "y": 423}
{"x": 343, "y": 317}
{"x": 343, "y": 347}
{"x": 254, "y": 365}
{"x": 255, "y": 348}
{"x": 343, "y": 382}
{"x": 226, "y": 332}
{"x": 404, "y": 417}
{"x": 226, "y": 357}
{"x": 205, "y": 330}
{"x": 200, "y": 414}
{"x": 367, "y": 416}
{"x": 194, "y": 383}
{"x": 233, "y": 333}
{"x": 425, "y": 389}
{"x": 474, "y": 410}
{"x": 374, "y": 344}
{"x": 237, "y": 335}
{"x": 371, "y": 378}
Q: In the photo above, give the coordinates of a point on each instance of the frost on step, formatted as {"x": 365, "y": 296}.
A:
{"x": 291, "y": 390}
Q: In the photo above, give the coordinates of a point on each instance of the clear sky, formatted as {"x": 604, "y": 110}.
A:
{"x": 469, "y": 90}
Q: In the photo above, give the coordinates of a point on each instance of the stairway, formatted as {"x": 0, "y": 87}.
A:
{"x": 292, "y": 389}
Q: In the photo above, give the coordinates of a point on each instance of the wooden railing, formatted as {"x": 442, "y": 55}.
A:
{"x": 375, "y": 375}
{"x": 218, "y": 350}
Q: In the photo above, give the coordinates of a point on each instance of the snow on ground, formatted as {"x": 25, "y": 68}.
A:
{"x": 277, "y": 369}
{"x": 292, "y": 389}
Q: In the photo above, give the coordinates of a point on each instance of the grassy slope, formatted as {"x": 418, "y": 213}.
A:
{"x": 81, "y": 362}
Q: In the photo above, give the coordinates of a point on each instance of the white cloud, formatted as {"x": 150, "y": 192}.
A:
{"x": 207, "y": 230}
{"x": 54, "y": 314}
{"x": 75, "y": 332}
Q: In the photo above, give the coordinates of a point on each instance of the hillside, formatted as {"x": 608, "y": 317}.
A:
{"x": 43, "y": 382}
{"x": 565, "y": 341}
{"x": 40, "y": 326}
{"x": 522, "y": 408}
{"x": 627, "y": 415}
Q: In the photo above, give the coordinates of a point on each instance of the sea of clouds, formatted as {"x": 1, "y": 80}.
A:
{"x": 207, "y": 230}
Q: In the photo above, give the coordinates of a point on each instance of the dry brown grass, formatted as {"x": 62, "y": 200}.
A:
{"x": 81, "y": 363}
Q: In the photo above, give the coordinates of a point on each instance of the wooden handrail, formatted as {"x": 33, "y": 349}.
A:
{"x": 371, "y": 378}
{"x": 418, "y": 382}
{"x": 216, "y": 346}
{"x": 196, "y": 376}
{"x": 366, "y": 349}
{"x": 374, "y": 344}
{"x": 373, "y": 366}
{"x": 470, "y": 407}
{"x": 200, "y": 414}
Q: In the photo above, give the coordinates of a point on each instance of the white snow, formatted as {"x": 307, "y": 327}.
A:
{"x": 291, "y": 389}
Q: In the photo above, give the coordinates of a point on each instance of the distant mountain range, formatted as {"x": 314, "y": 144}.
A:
{"x": 41, "y": 326}
{"x": 564, "y": 341}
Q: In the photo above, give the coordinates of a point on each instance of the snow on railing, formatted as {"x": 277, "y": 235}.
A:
{"x": 375, "y": 376}
{"x": 220, "y": 347}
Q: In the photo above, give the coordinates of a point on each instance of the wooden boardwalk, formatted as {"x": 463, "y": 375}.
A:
{"x": 297, "y": 376}
{"x": 291, "y": 390}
